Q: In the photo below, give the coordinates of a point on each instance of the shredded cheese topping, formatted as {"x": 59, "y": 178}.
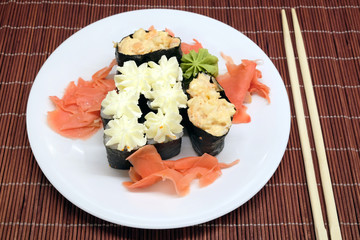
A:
{"x": 143, "y": 42}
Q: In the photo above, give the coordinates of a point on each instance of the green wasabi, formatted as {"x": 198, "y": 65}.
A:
{"x": 195, "y": 62}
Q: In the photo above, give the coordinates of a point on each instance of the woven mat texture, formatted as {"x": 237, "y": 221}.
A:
{"x": 30, "y": 207}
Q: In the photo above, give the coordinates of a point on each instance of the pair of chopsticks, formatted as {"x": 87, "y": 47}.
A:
{"x": 334, "y": 227}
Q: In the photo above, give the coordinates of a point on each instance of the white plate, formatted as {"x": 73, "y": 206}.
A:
{"x": 79, "y": 169}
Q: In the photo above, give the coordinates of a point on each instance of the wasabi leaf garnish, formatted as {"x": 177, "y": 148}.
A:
{"x": 195, "y": 62}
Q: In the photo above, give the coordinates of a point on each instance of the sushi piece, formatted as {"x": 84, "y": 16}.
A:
{"x": 209, "y": 115}
{"x": 117, "y": 104}
{"x": 166, "y": 100}
{"x": 164, "y": 131}
{"x": 143, "y": 46}
{"x": 122, "y": 137}
{"x": 133, "y": 78}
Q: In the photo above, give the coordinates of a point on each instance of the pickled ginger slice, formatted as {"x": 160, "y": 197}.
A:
{"x": 239, "y": 82}
{"x": 187, "y": 47}
{"x": 146, "y": 161}
{"x": 77, "y": 113}
{"x": 148, "y": 169}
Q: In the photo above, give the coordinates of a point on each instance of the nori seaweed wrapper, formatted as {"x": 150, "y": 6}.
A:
{"x": 117, "y": 158}
{"x": 145, "y": 109}
{"x": 151, "y": 56}
{"x": 169, "y": 149}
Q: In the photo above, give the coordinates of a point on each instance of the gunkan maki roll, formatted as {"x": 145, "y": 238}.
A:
{"x": 122, "y": 137}
{"x": 144, "y": 46}
{"x": 164, "y": 131}
{"x": 166, "y": 98}
{"x": 209, "y": 115}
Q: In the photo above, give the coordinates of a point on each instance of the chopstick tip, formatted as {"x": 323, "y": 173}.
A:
{"x": 283, "y": 14}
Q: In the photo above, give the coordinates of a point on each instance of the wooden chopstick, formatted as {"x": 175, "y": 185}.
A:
{"x": 320, "y": 230}
{"x": 318, "y": 137}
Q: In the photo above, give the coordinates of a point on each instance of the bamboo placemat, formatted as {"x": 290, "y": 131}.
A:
{"x": 30, "y": 207}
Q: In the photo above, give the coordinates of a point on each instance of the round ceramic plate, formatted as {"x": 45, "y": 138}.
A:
{"x": 79, "y": 169}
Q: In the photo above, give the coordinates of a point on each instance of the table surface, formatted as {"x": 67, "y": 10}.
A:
{"x": 32, "y": 208}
